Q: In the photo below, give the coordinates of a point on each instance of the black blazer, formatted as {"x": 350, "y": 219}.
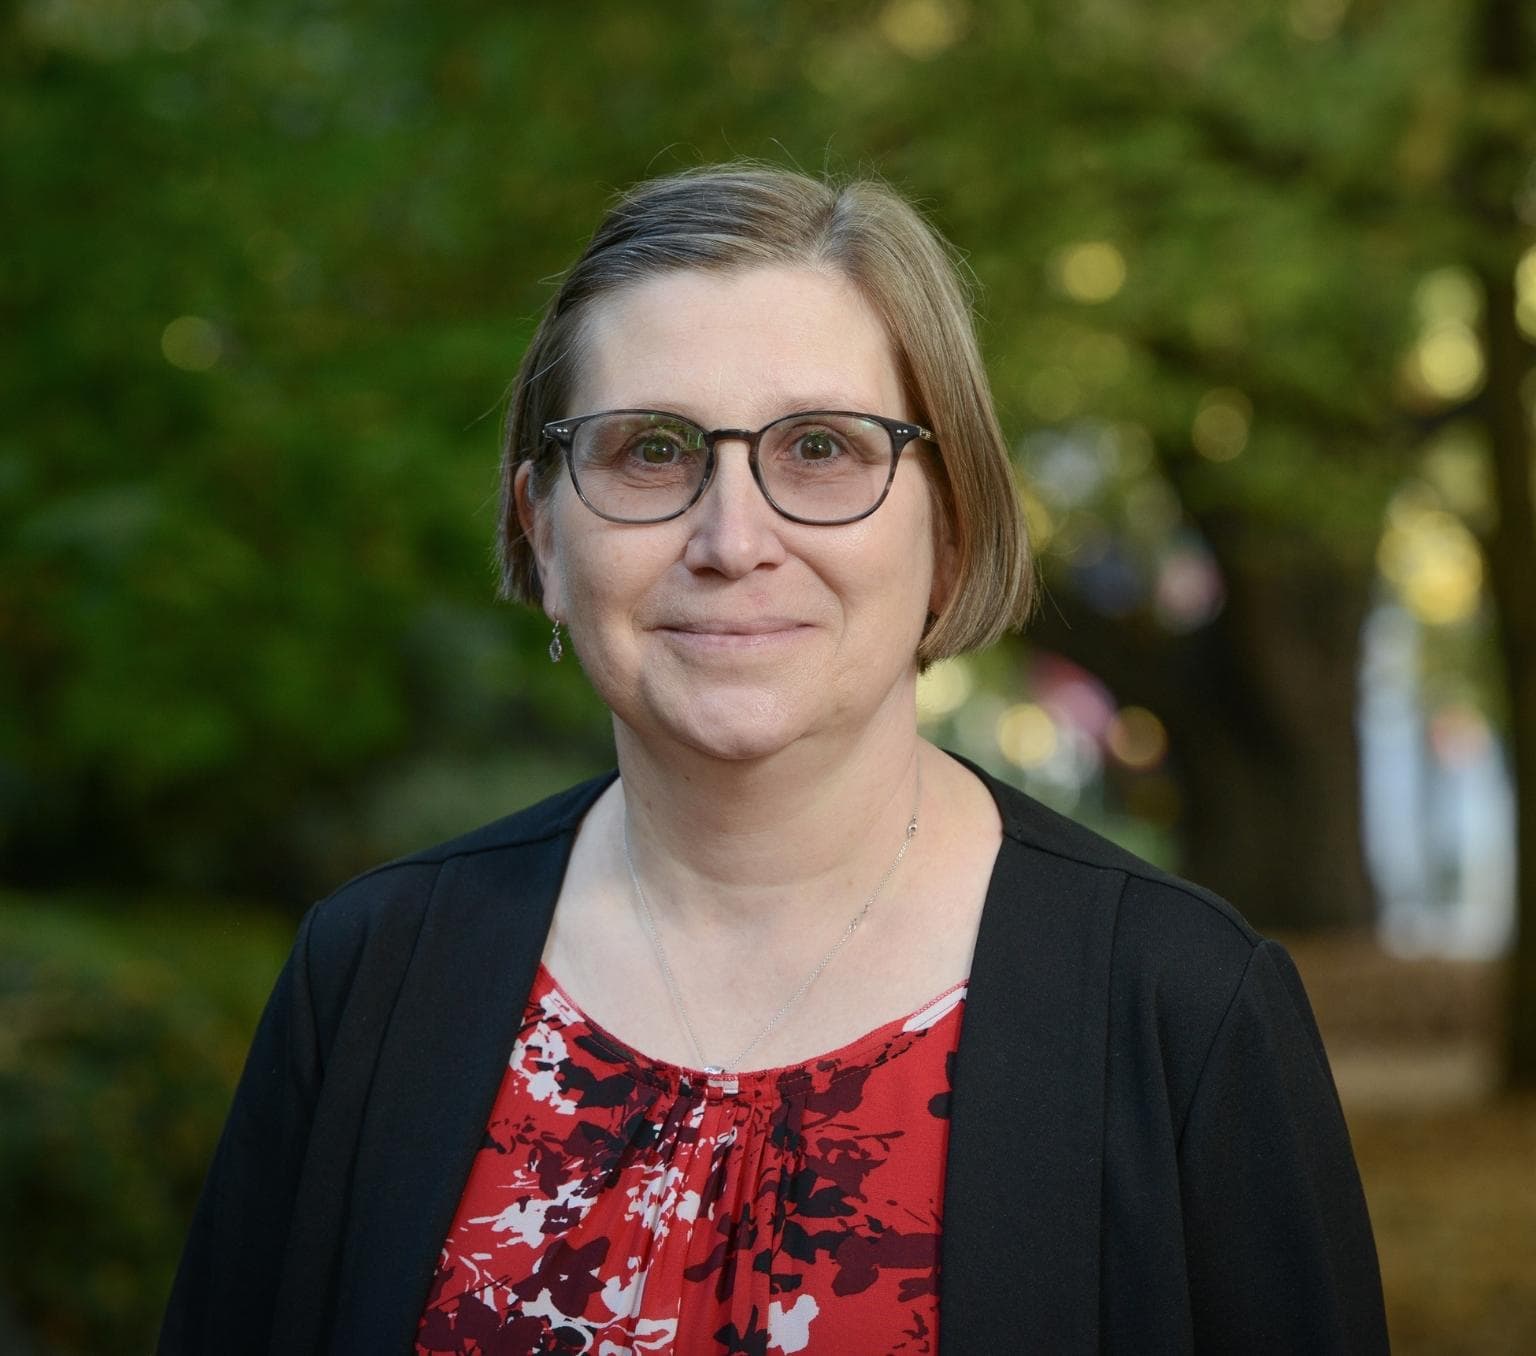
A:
{"x": 1147, "y": 1153}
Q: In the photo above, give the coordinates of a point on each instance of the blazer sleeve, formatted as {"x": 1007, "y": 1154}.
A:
{"x": 225, "y": 1290}
{"x": 1279, "y": 1251}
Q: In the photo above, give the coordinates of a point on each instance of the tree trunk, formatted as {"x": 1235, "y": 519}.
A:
{"x": 1271, "y": 759}
{"x": 1493, "y": 169}
{"x": 1260, "y": 711}
{"x": 1511, "y": 553}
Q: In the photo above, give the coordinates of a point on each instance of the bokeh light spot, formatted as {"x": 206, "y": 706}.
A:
{"x": 1026, "y": 735}
{"x": 1448, "y": 294}
{"x": 922, "y": 28}
{"x": 1220, "y": 429}
{"x": 1091, "y": 271}
{"x": 191, "y": 343}
{"x": 1137, "y": 738}
{"x": 1458, "y": 468}
{"x": 943, "y": 690}
{"x": 1069, "y": 468}
{"x": 1189, "y": 592}
{"x": 1459, "y": 734}
{"x": 1037, "y": 518}
{"x": 1448, "y": 361}
{"x": 1525, "y": 293}
{"x": 1432, "y": 561}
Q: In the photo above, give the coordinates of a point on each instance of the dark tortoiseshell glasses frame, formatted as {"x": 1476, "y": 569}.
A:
{"x": 564, "y": 432}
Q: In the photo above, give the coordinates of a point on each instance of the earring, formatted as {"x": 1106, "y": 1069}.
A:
{"x": 556, "y": 649}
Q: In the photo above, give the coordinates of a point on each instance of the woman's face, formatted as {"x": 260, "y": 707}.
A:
{"x": 730, "y": 629}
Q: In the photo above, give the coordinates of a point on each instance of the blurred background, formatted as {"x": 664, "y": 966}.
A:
{"x": 1257, "y": 281}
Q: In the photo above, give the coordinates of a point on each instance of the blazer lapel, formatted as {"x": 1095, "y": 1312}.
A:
{"x": 1020, "y": 1247}
{"x": 442, "y": 1061}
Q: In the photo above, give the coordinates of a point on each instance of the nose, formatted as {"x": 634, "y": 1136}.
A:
{"x": 733, "y": 528}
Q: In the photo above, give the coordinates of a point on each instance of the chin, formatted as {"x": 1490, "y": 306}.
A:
{"x": 734, "y": 726}
{"x": 746, "y": 748}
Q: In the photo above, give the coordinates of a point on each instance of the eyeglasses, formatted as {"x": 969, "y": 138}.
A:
{"x": 817, "y": 466}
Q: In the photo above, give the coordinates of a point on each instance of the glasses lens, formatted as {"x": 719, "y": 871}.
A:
{"x": 638, "y": 467}
{"x": 825, "y": 467}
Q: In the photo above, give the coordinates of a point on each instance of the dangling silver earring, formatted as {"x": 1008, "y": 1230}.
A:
{"x": 556, "y": 649}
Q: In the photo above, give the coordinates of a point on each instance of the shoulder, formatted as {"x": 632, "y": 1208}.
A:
{"x": 385, "y": 907}
{"x": 1173, "y": 906}
{"x": 1169, "y": 953}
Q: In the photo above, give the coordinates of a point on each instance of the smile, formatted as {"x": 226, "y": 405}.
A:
{"x": 760, "y": 633}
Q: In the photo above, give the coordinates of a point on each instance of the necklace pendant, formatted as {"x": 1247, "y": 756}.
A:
{"x": 713, "y": 1070}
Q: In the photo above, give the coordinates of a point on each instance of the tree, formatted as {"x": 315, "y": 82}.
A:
{"x": 1246, "y": 177}
{"x": 1498, "y": 159}
{"x": 277, "y": 265}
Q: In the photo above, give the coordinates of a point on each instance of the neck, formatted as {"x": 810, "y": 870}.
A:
{"x": 717, "y": 840}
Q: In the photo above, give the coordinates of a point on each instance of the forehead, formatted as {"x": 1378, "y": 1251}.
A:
{"x": 738, "y": 347}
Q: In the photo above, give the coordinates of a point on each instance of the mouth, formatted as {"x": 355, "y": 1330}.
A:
{"x": 757, "y": 626}
{"x": 734, "y": 635}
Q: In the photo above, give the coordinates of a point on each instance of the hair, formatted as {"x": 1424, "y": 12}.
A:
{"x": 739, "y": 216}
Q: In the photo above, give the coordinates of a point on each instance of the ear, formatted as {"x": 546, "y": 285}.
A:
{"x": 534, "y": 515}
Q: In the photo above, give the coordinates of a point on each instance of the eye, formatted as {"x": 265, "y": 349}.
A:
{"x": 656, "y": 449}
{"x": 817, "y": 445}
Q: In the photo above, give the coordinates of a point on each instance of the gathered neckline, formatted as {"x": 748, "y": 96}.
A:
{"x": 828, "y": 1067}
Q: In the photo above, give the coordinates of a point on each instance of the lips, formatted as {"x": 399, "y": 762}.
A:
{"x": 734, "y": 637}
{"x": 757, "y": 626}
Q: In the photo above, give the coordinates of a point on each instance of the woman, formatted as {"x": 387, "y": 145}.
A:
{"x": 798, "y": 1035}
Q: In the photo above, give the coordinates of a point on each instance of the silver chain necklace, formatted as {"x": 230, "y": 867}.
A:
{"x": 717, "y": 1071}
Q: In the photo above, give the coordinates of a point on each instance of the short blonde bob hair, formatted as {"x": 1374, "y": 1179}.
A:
{"x": 739, "y": 216}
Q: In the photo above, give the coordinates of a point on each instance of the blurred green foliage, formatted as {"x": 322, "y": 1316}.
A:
{"x": 122, "y": 1029}
{"x": 275, "y": 263}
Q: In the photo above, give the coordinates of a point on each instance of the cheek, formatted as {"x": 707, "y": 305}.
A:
{"x": 577, "y": 566}
{"x": 888, "y": 586}
{"x": 607, "y": 574}
{"x": 577, "y": 576}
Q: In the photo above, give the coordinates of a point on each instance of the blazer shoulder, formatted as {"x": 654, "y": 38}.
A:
{"x": 1177, "y": 907}
{"x": 1176, "y": 957}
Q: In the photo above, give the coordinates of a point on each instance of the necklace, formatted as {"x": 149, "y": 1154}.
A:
{"x": 720, "y": 1072}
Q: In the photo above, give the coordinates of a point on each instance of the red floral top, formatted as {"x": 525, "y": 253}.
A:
{"x": 622, "y": 1205}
